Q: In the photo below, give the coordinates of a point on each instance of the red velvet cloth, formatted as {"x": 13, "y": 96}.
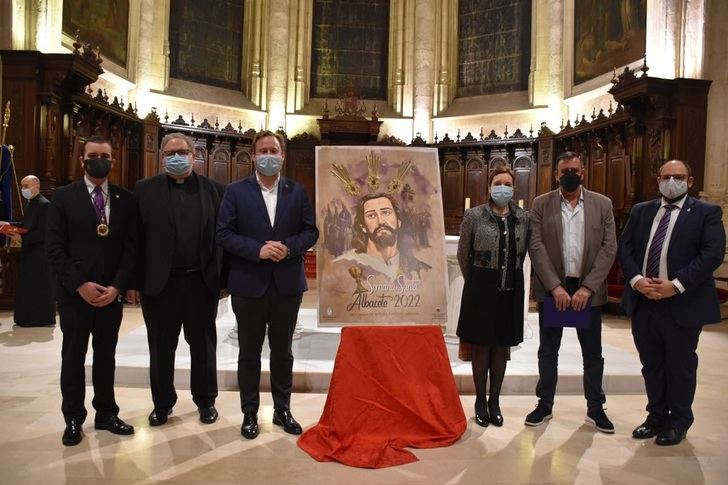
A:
{"x": 392, "y": 387}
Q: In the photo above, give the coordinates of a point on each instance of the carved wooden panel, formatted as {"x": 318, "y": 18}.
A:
{"x": 597, "y": 166}
{"x": 453, "y": 200}
{"x": 476, "y": 181}
{"x": 220, "y": 162}
{"x": 199, "y": 165}
{"x": 242, "y": 164}
{"x": 524, "y": 186}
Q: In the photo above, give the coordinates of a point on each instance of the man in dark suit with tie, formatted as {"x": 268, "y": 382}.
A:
{"x": 266, "y": 225}
{"x": 180, "y": 268}
{"x": 92, "y": 246}
{"x": 668, "y": 252}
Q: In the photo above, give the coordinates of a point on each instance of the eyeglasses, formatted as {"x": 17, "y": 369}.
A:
{"x": 183, "y": 151}
{"x": 665, "y": 178}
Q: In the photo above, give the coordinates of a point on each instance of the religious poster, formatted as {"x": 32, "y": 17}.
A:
{"x": 381, "y": 254}
{"x": 103, "y": 23}
{"x": 607, "y": 35}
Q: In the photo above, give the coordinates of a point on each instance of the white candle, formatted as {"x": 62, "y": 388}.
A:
{"x": 467, "y": 203}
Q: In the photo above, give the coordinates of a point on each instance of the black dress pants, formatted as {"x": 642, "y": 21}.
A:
{"x": 185, "y": 303}
{"x": 590, "y": 340}
{"x": 669, "y": 363}
{"x": 79, "y": 321}
{"x": 278, "y": 313}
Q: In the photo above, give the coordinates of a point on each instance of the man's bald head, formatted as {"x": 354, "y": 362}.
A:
{"x": 32, "y": 183}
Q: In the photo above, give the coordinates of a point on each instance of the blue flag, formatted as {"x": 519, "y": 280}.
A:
{"x": 6, "y": 188}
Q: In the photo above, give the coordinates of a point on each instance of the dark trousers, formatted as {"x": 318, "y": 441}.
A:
{"x": 79, "y": 321}
{"x": 185, "y": 303}
{"x": 590, "y": 340}
{"x": 279, "y": 314}
{"x": 669, "y": 363}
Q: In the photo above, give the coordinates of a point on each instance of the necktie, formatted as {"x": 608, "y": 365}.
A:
{"x": 97, "y": 196}
{"x": 658, "y": 240}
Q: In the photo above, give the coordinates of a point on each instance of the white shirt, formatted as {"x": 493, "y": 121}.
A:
{"x": 572, "y": 224}
{"x": 662, "y": 273}
{"x": 270, "y": 197}
{"x": 105, "y": 190}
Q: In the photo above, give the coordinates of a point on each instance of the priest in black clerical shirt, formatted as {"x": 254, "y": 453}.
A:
{"x": 35, "y": 305}
{"x": 179, "y": 276}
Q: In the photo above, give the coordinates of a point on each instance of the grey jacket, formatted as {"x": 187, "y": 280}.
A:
{"x": 546, "y": 243}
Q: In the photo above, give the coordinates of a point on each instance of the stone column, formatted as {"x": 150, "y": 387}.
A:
{"x": 151, "y": 48}
{"x": 424, "y": 74}
{"x": 278, "y": 60}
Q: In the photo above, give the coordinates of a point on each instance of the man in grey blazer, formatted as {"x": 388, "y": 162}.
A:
{"x": 572, "y": 248}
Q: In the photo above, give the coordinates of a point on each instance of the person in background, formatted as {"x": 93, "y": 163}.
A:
{"x": 493, "y": 244}
{"x": 35, "y": 304}
{"x": 91, "y": 241}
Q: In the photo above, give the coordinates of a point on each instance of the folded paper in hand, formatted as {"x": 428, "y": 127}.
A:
{"x": 9, "y": 230}
{"x": 553, "y": 317}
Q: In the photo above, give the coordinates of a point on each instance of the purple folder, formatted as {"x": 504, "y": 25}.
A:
{"x": 552, "y": 317}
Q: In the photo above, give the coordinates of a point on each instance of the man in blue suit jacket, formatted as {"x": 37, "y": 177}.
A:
{"x": 668, "y": 252}
{"x": 265, "y": 226}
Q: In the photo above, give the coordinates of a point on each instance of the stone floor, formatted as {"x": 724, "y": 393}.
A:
{"x": 566, "y": 450}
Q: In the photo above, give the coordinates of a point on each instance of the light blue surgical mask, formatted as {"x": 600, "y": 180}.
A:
{"x": 501, "y": 194}
{"x": 177, "y": 164}
{"x": 27, "y": 193}
{"x": 268, "y": 165}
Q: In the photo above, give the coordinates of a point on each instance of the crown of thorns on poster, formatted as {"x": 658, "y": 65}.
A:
{"x": 344, "y": 227}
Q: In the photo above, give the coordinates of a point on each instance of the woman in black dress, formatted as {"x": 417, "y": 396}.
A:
{"x": 492, "y": 247}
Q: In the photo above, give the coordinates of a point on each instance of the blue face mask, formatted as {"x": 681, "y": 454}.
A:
{"x": 268, "y": 165}
{"x": 177, "y": 164}
{"x": 501, "y": 194}
{"x": 27, "y": 193}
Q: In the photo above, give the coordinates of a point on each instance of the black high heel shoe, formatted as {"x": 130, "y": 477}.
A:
{"x": 495, "y": 415}
{"x": 482, "y": 419}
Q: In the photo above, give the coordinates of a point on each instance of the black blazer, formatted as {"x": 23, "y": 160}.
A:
{"x": 34, "y": 220}
{"x": 77, "y": 254}
{"x": 157, "y": 233}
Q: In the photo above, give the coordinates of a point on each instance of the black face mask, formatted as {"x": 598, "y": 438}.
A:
{"x": 97, "y": 168}
{"x": 570, "y": 181}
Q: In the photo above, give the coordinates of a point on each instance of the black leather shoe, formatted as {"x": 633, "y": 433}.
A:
{"x": 159, "y": 416}
{"x": 72, "y": 434}
{"x": 208, "y": 415}
{"x": 646, "y": 430}
{"x": 250, "y": 426}
{"x": 285, "y": 419}
{"x": 669, "y": 437}
{"x": 115, "y": 425}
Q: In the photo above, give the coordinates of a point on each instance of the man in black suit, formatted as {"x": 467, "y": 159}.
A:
{"x": 669, "y": 250}
{"x": 180, "y": 268}
{"x": 92, "y": 246}
{"x": 266, "y": 225}
{"x": 35, "y": 305}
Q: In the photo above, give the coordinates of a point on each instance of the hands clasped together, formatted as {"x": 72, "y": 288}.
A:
{"x": 655, "y": 288}
{"x": 577, "y": 301}
{"x": 96, "y": 295}
{"x": 274, "y": 250}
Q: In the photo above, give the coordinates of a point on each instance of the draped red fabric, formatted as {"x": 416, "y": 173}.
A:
{"x": 392, "y": 388}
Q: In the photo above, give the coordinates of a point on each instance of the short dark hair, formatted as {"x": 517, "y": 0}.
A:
{"x": 499, "y": 170}
{"x": 567, "y": 156}
{"x": 359, "y": 237}
{"x": 99, "y": 139}
{"x": 264, "y": 133}
{"x": 686, "y": 164}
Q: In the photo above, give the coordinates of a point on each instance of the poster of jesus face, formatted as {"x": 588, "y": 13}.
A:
{"x": 381, "y": 254}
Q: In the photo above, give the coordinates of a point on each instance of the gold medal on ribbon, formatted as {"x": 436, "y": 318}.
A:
{"x": 102, "y": 230}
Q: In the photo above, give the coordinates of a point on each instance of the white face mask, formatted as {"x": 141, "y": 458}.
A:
{"x": 27, "y": 193}
{"x": 672, "y": 188}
